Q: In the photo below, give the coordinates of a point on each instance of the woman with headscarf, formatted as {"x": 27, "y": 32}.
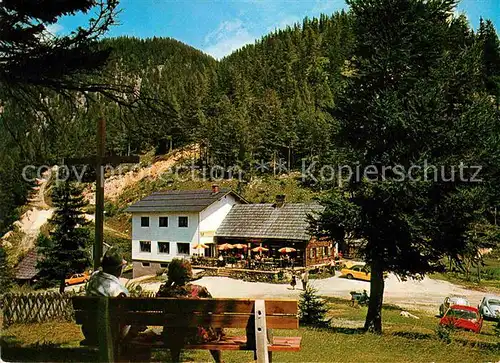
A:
{"x": 177, "y": 285}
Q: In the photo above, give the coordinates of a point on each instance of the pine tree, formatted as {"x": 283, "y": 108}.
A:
{"x": 67, "y": 253}
{"x": 5, "y": 272}
{"x": 490, "y": 43}
{"x": 33, "y": 56}
{"x": 312, "y": 309}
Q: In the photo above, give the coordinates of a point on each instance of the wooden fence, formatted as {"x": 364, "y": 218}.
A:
{"x": 36, "y": 308}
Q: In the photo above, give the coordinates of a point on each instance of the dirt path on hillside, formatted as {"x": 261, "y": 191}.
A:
{"x": 34, "y": 218}
{"x": 424, "y": 295}
{"x": 116, "y": 184}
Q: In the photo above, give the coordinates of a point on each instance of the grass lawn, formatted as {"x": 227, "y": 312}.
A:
{"x": 490, "y": 276}
{"x": 403, "y": 340}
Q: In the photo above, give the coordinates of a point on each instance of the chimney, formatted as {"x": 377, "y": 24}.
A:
{"x": 215, "y": 189}
{"x": 280, "y": 200}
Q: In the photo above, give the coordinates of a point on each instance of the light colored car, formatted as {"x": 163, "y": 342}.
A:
{"x": 489, "y": 307}
{"x": 452, "y": 300}
{"x": 360, "y": 272}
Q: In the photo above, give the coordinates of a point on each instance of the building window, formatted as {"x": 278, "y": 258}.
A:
{"x": 182, "y": 248}
{"x": 313, "y": 252}
{"x": 145, "y": 264}
{"x": 144, "y": 221}
{"x": 164, "y": 247}
{"x": 164, "y": 265}
{"x": 163, "y": 221}
{"x": 326, "y": 251}
{"x": 145, "y": 246}
{"x": 183, "y": 221}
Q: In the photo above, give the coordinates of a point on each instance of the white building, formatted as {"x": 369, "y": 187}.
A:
{"x": 167, "y": 225}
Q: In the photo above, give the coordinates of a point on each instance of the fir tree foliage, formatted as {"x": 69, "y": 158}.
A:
{"x": 415, "y": 98}
{"x": 33, "y": 56}
{"x": 488, "y": 39}
{"x": 312, "y": 309}
{"x": 5, "y": 272}
{"x": 67, "y": 252}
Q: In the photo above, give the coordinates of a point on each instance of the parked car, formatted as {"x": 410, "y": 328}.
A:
{"x": 489, "y": 307}
{"x": 452, "y": 300}
{"x": 360, "y": 272}
{"x": 76, "y": 279}
{"x": 356, "y": 272}
{"x": 463, "y": 317}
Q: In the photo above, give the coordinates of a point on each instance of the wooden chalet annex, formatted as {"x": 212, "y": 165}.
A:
{"x": 274, "y": 226}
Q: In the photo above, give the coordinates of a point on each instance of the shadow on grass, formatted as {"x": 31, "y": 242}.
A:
{"x": 11, "y": 350}
{"x": 413, "y": 335}
{"x": 47, "y": 353}
{"x": 164, "y": 356}
{"x": 493, "y": 347}
{"x": 337, "y": 329}
{"x": 342, "y": 330}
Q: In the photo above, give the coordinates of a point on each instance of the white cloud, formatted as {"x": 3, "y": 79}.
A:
{"x": 53, "y": 28}
{"x": 328, "y": 6}
{"x": 289, "y": 20}
{"x": 229, "y": 36}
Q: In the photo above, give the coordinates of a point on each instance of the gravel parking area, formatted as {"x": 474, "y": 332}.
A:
{"x": 426, "y": 294}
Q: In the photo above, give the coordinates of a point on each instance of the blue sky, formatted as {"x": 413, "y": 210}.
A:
{"x": 219, "y": 27}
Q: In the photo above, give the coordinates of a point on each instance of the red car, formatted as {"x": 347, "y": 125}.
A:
{"x": 463, "y": 317}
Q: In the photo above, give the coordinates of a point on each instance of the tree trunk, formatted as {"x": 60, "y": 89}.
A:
{"x": 62, "y": 285}
{"x": 373, "y": 322}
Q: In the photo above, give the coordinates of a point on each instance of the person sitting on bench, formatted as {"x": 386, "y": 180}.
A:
{"x": 105, "y": 282}
{"x": 179, "y": 274}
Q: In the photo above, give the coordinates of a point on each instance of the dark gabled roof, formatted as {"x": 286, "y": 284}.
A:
{"x": 26, "y": 269}
{"x": 180, "y": 201}
{"x": 268, "y": 221}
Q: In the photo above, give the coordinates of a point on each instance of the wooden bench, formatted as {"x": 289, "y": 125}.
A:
{"x": 256, "y": 316}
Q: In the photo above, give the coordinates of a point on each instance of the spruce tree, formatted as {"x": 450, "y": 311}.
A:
{"x": 413, "y": 111}
{"x": 312, "y": 309}
{"x": 67, "y": 253}
{"x": 5, "y": 272}
{"x": 490, "y": 43}
{"x": 33, "y": 56}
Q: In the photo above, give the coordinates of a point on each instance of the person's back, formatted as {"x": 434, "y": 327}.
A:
{"x": 105, "y": 282}
{"x": 177, "y": 286}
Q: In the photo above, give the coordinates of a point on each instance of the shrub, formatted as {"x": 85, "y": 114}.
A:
{"x": 281, "y": 274}
{"x": 5, "y": 272}
{"x": 312, "y": 309}
{"x": 444, "y": 333}
{"x": 136, "y": 290}
{"x": 111, "y": 209}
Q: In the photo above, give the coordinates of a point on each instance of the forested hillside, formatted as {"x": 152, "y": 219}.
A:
{"x": 274, "y": 96}
{"x": 269, "y": 102}
{"x": 265, "y": 102}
